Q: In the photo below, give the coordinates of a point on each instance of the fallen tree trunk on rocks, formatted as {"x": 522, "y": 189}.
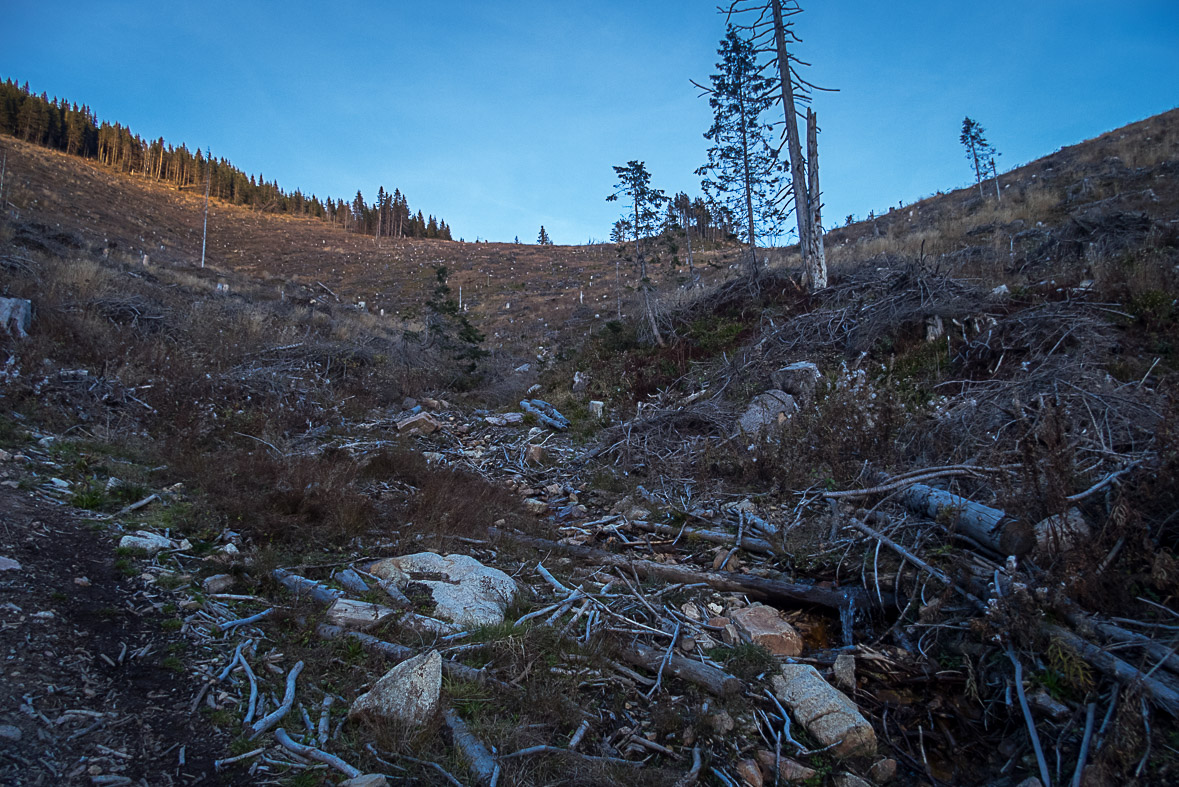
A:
{"x": 759, "y": 587}
{"x": 988, "y": 527}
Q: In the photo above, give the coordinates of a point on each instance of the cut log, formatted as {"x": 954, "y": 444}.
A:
{"x": 843, "y": 599}
{"x": 716, "y": 681}
{"x": 988, "y": 527}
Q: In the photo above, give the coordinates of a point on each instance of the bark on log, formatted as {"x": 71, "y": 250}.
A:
{"x": 988, "y": 527}
{"x": 757, "y": 587}
{"x": 716, "y": 681}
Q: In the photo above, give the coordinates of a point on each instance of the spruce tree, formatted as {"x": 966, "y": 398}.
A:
{"x": 742, "y": 172}
{"x": 543, "y": 238}
{"x": 978, "y": 150}
{"x": 634, "y": 183}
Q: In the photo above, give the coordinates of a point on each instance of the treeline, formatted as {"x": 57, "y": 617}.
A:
{"x": 702, "y": 220}
{"x": 64, "y": 126}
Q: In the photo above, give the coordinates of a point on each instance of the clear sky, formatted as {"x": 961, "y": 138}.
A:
{"x": 503, "y": 116}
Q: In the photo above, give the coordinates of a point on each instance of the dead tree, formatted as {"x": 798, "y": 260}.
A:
{"x": 771, "y": 21}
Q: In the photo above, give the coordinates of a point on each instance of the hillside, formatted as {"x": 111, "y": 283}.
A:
{"x": 918, "y": 527}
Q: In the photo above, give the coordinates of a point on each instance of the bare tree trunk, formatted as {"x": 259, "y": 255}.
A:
{"x": 818, "y": 256}
{"x": 644, "y": 285}
{"x": 816, "y": 269}
{"x": 995, "y": 175}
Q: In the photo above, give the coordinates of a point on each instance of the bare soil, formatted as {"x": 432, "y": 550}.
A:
{"x": 70, "y": 715}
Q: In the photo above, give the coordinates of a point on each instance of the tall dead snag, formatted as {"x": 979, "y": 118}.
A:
{"x": 806, "y": 191}
{"x": 771, "y": 21}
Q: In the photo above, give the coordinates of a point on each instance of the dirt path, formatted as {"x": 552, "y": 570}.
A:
{"x": 89, "y": 689}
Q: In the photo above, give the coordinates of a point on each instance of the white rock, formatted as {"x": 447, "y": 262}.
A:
{"x": 8, "y": 564}
{"x": 16, "y": 314}
{"x": 408, "y": 693}
{"x": 767, "y": 411}
{"x": 851, "y": 780}
{"x": 469, "y": 593}
{"x": 827, "y": 714}
{"x": 580, "y": 381}
{"x": 535, "y": 506}
{"x": 151, "y": 543}
{"x": 1000, "y": 292}
{"x": 367, "y": 780}
{"x": 504, "y": 419}
{"x": 218, "y": 583}
{"x": 359, "y": 615}
{"x": 597, "y": 409}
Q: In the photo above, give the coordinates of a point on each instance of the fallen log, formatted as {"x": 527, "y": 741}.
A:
{"x": 988, "y": 527}
{"x": 400, "y": 653}
{"x": 854, "y": 599}
{"x": 1162, "y": 693}
{"x": 716, "y": 681}
{"x": 482, "y": 765}
{"x": 712, "y": 536}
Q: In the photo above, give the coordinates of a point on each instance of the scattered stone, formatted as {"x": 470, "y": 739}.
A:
{"x": 505, "y": 419}
{"x": 826, "y": 713}
{"x": 523, "y": 368}
{"x": 845, "y": 671}
{"x": 16, "y": 315}
{"x": 722, "y": 723}
{"x": 44, "y": 615}
{"x": 468, "y": 593}
{"x": 789, "y": 770}
{"x": 535, "y": 506}
{"x": 750, "y": 773}
{"x": 1046, "y": 704}
{"x": 799, "y": 380}
{"x": 151, "y": 543}
{"x": 8, "y": 564}
{"x": 9, "y": 733}
{"x": 1061, "y": 532}
{"x": 4, "y": 455}
{"x": 358, "y": 615}
{"x": 1000, "y": 292}
{"x": 230, "y": 550}
{"x": 367, "y": 780}
{"x": 1031, "y": 781}
{"x": 218, "y": 583}
{"x": 597, "y": 410}
{"x": 767, "y": 411}
{"x": 536, "y": 454}
{"x": 424, "y": 423}
{"x": 851, "y": 780}
{"x": 82, "y": 582}
{"x": 433, "y": 457}
{"x": 580, "y": 382}
{"x": 765, "y": 626}
{"x": 407, "y": 693}
{"x": 883, "y": 771}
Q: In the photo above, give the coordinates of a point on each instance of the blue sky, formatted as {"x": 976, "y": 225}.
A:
{"x": 500, "y": 117}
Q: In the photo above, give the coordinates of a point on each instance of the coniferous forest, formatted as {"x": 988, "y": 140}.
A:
{"x": 75, "y": 130}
